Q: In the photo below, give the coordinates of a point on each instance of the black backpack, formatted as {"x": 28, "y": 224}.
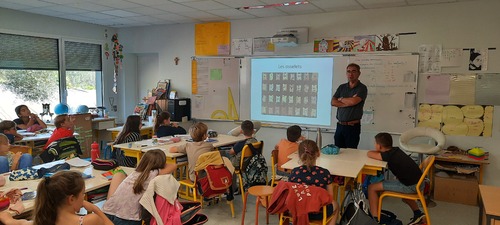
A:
{"x": 355, "y": 209}
{"x": 255, "y": 168}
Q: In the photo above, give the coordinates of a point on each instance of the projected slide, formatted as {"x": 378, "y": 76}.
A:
{"x": 292, "y": 90}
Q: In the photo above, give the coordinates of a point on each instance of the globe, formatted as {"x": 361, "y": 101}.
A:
{"x": 82, "y": 109}
{"x": 61, "y": 108}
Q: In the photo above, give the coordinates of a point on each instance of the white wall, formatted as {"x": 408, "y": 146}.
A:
{"x": 17, "y": 22}
{"x": 469, "y": 24}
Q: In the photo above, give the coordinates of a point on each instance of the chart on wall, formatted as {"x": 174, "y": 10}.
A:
{"x": 392, "y": 85}
{"x": 215, "y": 88}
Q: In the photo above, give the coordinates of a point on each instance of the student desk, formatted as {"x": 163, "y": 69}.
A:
{"x": 351, "y": 156}
{"x": 30, "y": 140}
{"x": 97, "y": 181}
{"x": 489, "y": 204}
{"x": 136, "y": 149}
{"x": 146, "y": 130}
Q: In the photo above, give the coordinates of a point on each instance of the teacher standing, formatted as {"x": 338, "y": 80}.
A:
{"x": 349, "y": 99}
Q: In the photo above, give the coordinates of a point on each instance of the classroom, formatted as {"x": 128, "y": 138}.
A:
{"x": 153, "y": 52}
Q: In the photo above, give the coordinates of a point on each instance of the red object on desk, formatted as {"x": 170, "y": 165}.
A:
{"x": 94, "y": 153}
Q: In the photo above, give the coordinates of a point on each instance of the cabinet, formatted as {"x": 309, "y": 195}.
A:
{"x": 454, "y": 185}
{"x": 83, "y": 126}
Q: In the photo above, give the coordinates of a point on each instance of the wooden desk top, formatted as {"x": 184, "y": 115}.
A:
{"x": 97, "y": 181}
{"x": 490, "y": 196}
{"x": 353, "y": 155}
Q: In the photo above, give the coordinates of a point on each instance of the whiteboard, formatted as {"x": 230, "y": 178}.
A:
{"x": 392, "y": 85}
{"x": 215, "y": 88}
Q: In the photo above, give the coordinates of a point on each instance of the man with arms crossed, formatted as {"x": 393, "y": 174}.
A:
{"x": 349, "y": 100}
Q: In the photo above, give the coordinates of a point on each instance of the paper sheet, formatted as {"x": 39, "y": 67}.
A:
{"x": 451, "y": 57}
{"x": 463, "y": 89}
{"x": 437, "y": 90}
{"x": 430, "y": 56}
{"x": 77, "y": 162}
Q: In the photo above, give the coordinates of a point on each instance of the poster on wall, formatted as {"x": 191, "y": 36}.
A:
{"x": 464, "y": 120}
{"x": 359, "y": 43}
{"x": 478, "y": 59}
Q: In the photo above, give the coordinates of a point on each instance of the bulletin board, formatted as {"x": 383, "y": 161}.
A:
{"x": 215, "y": 88}
{"x": 212, "y": 39}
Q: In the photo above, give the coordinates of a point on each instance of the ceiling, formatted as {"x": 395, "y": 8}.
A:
{"x": 131, "y": 13}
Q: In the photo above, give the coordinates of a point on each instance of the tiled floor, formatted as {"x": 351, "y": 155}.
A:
{"x": 442, "y": 214}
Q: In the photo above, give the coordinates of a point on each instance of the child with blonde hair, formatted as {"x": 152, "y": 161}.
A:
{"x": 122, "y": 206}
{"x": 12, "y": 161}
{"x": 194, "y": 149}
{"x": 311, "y": 174}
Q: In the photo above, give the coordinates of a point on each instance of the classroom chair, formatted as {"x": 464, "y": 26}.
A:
{"x": 21, "y": 148}
{"x": 245, "y": 153}
{"x": 426, "y": 167}
{"x": 260, "y": 192}
{"x": 274, "y": 167}
{"x": 326, "y": 219}
{"x": 188, "y": 189}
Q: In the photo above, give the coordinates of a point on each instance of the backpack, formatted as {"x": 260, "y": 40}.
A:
{"x": 389, "y": 218}
{"x": 213, "y": 180}
{"x": 355, "y": 209}
{"x": 61, "y": 149}
{"x": 255, "y": 168}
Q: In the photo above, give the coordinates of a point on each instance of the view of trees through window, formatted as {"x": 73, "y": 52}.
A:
{"x": 34, "y": 87}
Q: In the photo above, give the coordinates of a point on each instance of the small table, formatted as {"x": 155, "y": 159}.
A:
{"x": 489, "y": 203}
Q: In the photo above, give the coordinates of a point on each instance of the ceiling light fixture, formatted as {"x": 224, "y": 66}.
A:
{"x": 274, "y": 5}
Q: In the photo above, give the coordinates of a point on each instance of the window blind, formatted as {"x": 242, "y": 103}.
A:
{"x": 27, "y": 52}
{"x": 82, "y": 56}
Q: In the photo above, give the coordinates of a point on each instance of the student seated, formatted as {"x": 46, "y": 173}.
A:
{"x": 8, "y": 128}
{"x": 10, "y": 160}
{"x": 122, "y": 205}
{"x": 164, "y": 127}
{"x": 57, "y": 199}
{"x": 311, "y": 174}
{"x": 194, "y": 149}
{"x": 235, "y": 152}
{"x": 288, "y": 146}
{"x": 27, "y": 120}
{"x": 403, "y": 167}
{"x": 131, "y": 132}
{"x": 65, "y": 127}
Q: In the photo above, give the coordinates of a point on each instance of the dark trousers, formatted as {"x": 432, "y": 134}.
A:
{"x": 347, "y": 136}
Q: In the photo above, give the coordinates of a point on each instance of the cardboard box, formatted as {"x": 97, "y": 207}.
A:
{"x": 456, "y": 188}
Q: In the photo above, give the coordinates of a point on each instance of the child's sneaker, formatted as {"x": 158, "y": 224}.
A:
{"x": 417, "y": 219}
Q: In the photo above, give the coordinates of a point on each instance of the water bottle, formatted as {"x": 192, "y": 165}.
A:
{"x": 318, "y": 137}
{"x": 94, "y": 153}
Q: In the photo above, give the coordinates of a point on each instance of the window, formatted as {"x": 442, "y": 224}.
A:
{"x": 30, "y": 73}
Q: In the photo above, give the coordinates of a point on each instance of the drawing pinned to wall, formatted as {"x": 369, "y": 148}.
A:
{"x": 478, "y": 59}
{"x": 387, "y": 42}
{"x": 263, "y": 46}
{"x": 366, "y": 43}
{"x": 324, "y": 45}
{"x": 466, "y": 120}
{"x": 451, "y": 57}
{"x": 430, "y": 58}
{"x": 345, "y": 44}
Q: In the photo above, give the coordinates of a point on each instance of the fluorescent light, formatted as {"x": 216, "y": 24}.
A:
{"x": 274, "y": 5}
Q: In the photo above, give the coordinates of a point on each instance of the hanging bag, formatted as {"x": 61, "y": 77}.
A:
{"x": 213, "y": 180}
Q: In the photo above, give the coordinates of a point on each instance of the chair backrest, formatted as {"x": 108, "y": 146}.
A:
{"x": 274, "y": 159}
{"x": 407, "y": 136}
{"x": 247, "y": 152}
{"x": 425, "y": 166}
